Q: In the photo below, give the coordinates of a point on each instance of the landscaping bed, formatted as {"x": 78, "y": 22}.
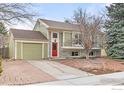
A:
{"x": 20, "y": 73}
{"x": 95, "y": 66}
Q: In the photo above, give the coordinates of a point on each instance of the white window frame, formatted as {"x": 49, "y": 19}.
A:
{"x": 73, "y": 37}
{"x": 56, "y": 34}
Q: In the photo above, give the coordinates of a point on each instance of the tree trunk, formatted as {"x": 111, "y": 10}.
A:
{"x": 1, "y": 65}
{"x": 3, "y": 54}
{"x": 87, "y": 54}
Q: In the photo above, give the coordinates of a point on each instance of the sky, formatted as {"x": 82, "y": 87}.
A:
{"x": 58, "y": 12}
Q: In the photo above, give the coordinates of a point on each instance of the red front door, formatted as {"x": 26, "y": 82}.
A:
{"x": 54, "y": 49}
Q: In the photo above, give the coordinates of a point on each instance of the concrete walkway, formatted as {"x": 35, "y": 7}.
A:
{"x": 106, "y": 79}
{"x": 59, "y": 71}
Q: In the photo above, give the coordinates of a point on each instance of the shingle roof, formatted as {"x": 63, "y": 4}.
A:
{"x": 61, "y": 25}
{"x": 28, "y": 35}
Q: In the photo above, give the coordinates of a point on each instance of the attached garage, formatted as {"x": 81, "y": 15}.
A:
{"x": 31, "y": 46}
{"x": 32, "y": 51}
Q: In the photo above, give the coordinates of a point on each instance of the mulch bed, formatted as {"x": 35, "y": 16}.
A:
{"x": 98, "y": 71}
{"x": 95, "y": 66}
{"x": 21, "y": 73}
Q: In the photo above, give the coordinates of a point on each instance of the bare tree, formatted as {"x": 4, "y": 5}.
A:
{"x": 12, "y": 13}
{"x": 68, "y": 21}
{"x": 89, "y": 26}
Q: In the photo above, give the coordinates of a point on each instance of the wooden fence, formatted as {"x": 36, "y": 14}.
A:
{"x": 4, "y": 52}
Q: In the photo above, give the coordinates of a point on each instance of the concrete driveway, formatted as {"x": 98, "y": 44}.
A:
{"x": 19, "y": 72}
{"x": 59, "y": 71}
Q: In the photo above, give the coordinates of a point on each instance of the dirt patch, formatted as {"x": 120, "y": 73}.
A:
{"x": 20, "y": 73}
{"x": 95, "y": 66}
{"x": 98, "y": 71}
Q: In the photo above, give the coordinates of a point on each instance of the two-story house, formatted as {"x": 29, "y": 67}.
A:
{"x": 49, "y": 39}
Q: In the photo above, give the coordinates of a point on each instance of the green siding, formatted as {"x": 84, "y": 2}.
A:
{"x": 11, "y": 46}
{"x": 18, "y": 50}
{"x": 32, "y": 51}
{"x": 40, "y": 27}
{"x": 61, "y": 39}
{"x": 45, "y": 50}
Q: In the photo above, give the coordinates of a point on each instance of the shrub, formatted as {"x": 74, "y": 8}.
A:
{"x": 1, "y": 65}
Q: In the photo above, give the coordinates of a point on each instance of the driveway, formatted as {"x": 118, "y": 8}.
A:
{"x": 19, "y": 72}
{"x": 59, "y": 71}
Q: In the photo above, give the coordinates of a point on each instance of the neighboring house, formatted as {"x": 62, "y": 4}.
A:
{"x": 49, "y": 39}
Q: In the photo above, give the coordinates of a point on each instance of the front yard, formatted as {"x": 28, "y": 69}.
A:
{"x": 20, "y": 72}
{"x": 95, "y": 66}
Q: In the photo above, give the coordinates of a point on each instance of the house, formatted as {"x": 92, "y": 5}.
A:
{"x": 49, "y": 39}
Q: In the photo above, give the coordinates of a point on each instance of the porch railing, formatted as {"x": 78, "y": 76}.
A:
{"x": 74, "y": 43}
{"x": 79, "y": 43}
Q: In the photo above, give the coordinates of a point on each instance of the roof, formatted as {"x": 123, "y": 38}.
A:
{"x": 28, "y": 35}
{"x": 61, "y": 25}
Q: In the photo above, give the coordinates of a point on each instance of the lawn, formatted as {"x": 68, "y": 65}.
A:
{"x": 20, "y": 73}
{"x": 95, "y": 66}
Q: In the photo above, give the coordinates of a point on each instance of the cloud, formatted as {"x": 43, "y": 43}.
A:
{"x": 26, "y": 26}
{"x": 108, "y": 4}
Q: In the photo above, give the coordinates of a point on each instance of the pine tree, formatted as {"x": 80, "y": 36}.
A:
{"x": 115, "y": 30}
{"x": 2, "y": 29}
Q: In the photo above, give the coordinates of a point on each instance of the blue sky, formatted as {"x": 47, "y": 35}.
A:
{"x": 55, "y": 11}
{"x": 61, "y": 11}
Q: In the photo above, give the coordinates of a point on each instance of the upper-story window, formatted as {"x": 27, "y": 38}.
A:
{"x": 54, "y": 35}
{"x": 76, "y": 38}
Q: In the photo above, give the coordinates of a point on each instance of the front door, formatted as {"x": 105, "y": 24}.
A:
{"x": 54, "y": 49}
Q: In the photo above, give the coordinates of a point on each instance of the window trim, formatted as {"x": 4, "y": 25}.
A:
{"x": 53, "y": 35}
{"x": 73, "y": 38}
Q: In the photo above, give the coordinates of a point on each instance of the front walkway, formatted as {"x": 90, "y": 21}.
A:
{"x": 59, "y": 71}
{"x": 106, "y": 79}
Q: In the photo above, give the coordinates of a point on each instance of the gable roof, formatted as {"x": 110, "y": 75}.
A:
{"x": 61, "y": 25}
{"x": 28, "y": 35}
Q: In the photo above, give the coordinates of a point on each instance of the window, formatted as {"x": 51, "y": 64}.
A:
{"x": 75, "y": 53}
{"x": 76, "y": 39}
{"x": 76, "y": 36}
{"x": 54, "y": 35}
{"x": 91, "y": 53}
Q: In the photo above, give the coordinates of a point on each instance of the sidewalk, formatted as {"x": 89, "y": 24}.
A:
{"x": 106, "y": 79}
